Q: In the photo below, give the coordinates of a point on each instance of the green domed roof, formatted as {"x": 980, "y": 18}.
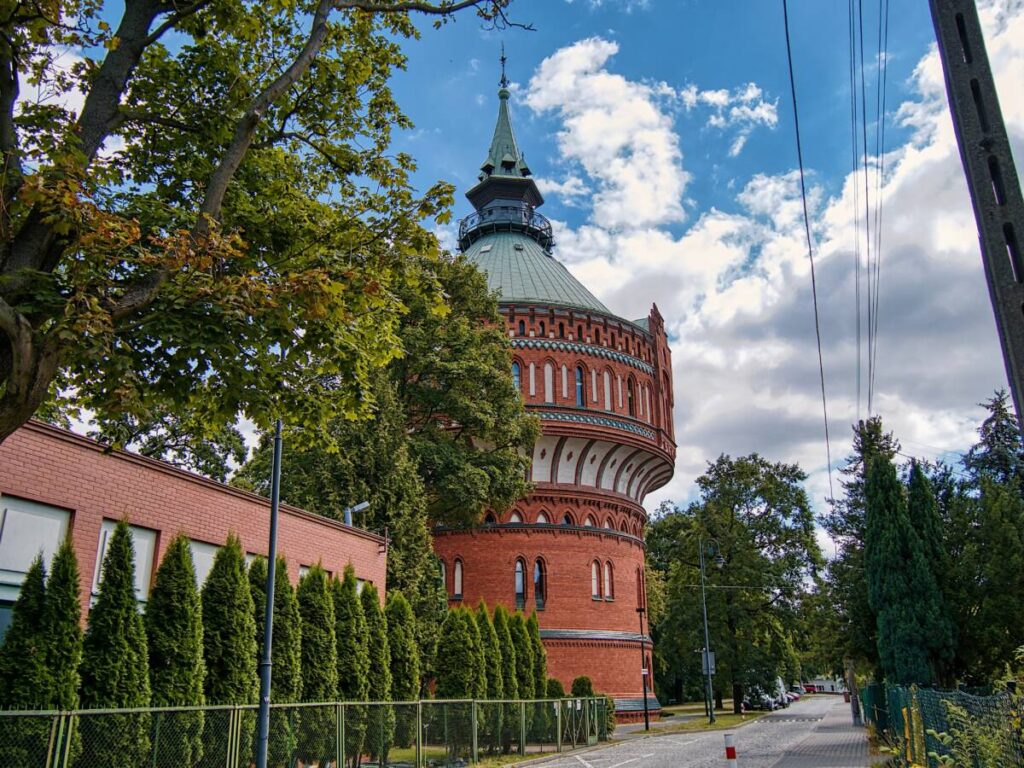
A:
{"x": 523, "y": 272}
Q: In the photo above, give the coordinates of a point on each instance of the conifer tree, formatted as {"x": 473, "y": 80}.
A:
{"x": 525, "y": 671}
{"x": 174, "y": 633}
{"x": 381, "y": 722}
{"x": 479, "y": 661}
{"x": 555, "y": 688}
{"x": 582, "y": 686}
{"x": 540, "y": 657}
{"x": 115, "y": 663}
{"x": 493, "y": 713}
{"x": 897, "y": 578}
{"x": 405, "y": 664}
{"x": 923, "y": 513}
{"x": 319, "y": 665}
{"x": 229, "y": 647}
{"x": 286, "y": 654}
{"x": 456, "y": 678}
{"x": 62, "y": 622}
{"x": 25, "y": 682}
{"x": 353, "y": 659}
{"x": 509, "y": 680}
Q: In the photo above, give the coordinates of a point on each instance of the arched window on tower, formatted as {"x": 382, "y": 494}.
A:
{"x": 515, "y": 517}
{"x": 609, "y": 583}
{"x": 595, "y": 580}
{"x": 580, "y": 400}
{"x": 490, "y": 519}
{"x": 567, "y": 519}
{"x": 540, "y": 584}
{"x": 517, "y": 375}
{"x": 542, "y": 518}
{"x": 522, "y": 327}
{"x": 549, "y": 383}
{"x": 597, "y": 335}
{"x": 561, "y": 330}
{"x": 457, "y": 586}
{"x": 630, "y": 400}
{"x": 444, "y": 575}
{"x": 542, "y": 330}
{"x": 579, "y": 333}
{"x": 589, "y": 522}
{"x": 520, "y": 584}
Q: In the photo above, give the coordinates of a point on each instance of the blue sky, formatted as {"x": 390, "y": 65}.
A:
{"x": 661, "y": 133}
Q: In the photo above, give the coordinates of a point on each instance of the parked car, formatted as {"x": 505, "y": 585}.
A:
{"x": 757, "y": 699}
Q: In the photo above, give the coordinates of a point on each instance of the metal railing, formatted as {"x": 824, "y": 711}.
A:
{"x": 415, "y": 734}
{"x": 520, "y": 217}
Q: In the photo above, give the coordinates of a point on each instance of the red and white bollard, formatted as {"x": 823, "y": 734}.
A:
{"x": 730, "y": 751}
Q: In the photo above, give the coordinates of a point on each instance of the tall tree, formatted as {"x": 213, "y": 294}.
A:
{"x": 353, "y": 659}
{"x": 457, "y": 678}
{"x": 405, "y": 664}
{"x": 999, "y": 453}
{"x": 174, "y": 633}
{"x": 115, "y": 663}
{"x": 525, "y": 672}
{"x": 25, "y": 681}
{"x": 381, "y": 722}
{"x": 319, "y": 665}
{"x": 285, "y": 654}
{"x": 756, "y": 515}
{"x": 476, "y": 640}
{"x": 229, "y": 646}
{"x": 540, "y": 657}
{"x": 133, "y": 272}
{"x": 62, "y": 625}
{"x": 923, "y": 513}
{"x": 900, "y": 590}
{"x": 509, "y": 675}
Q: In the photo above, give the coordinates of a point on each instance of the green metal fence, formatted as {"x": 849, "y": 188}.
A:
{"x": 932, "y": 727}
{"x": 418, "y": 734}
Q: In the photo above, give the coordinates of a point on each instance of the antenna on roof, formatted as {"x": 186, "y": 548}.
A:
{"x": 504, "y": 80}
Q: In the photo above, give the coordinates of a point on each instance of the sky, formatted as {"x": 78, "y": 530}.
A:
{"x": 661, "y": 133}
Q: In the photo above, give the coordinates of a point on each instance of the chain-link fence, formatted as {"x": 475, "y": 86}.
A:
{"x": 329, "y": 735}
{"x": 931, "y": 727}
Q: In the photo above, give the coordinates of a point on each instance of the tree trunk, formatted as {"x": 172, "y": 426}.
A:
{"x": 737, "y": 698}
{"x": 718, "y": 700}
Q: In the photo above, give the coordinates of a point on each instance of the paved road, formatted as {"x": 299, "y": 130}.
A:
{"x": 813, "y": 733}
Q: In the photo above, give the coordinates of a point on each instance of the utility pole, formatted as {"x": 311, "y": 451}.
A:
{"x": 991, "y": 174}
{"x": 645, "y": 673}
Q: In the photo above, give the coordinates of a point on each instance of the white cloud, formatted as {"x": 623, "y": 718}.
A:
{"x": 619, "y": 132}
{"x": 735, "y": 286}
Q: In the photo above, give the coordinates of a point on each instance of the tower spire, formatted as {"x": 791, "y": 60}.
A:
{"x": 504, "y": 80}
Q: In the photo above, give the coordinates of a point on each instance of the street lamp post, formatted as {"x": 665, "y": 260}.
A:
{"x": 645, "y": 673}
{"x": 706, "y": 656}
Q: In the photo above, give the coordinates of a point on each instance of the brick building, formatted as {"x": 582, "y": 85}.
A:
{"x": 602, "y": 386}
{"x": 53, "y": 482}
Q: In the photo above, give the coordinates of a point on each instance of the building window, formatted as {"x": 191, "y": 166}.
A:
{"x": 203, "y": 555}
{"x": 589, "y": 522}
{"x": 561, "y": 330}
{"x": 609, "y": 583}
{"x": 542, "y": 518}
{"x": 515, "y": 517}
{"x": 522, "y": 328}
{"x": 579, "y": 333}
{"x": 595, "y": 580}
{"x": 26, "y": 530}
{"x": 609, "y": 525}
{"x": 630, "y": 400}
{"x": 607, "y": 390}
{"x": 597, "y": 335}
{"x": 540, "y": 584}
{"x": 540, "y": 325}
{"x": 567, "y": 519}
{"x": 144, "y": 544}
{"x": 444, "y": 575}
{"x": 549, "y": 383}
{"x": 565, "y": 382}
{"x": 457, "y": 586}
{"x": 517, "y": 376}
{"x": 520, "y": 584}
{"x": 579, "y": 386}
{"x": 490, "y": 519}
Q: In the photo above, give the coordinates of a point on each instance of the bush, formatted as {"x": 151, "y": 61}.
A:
{"x": 582, "y": 686}
{"x": 381, "y": 723}
{"x": 115, "y": 663}
{"x": 353, "y": 659}
{"x": 405, "y": 664}
{"x": 319, "y": 666}
{"x": 555, "y": 688}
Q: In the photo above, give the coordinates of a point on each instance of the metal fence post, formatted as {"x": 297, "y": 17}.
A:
{"x": 419, "y": 734}
{"x": 339, "y": 722}
{"x": 558, "y": 726}
{"x": 474, "y": 757}
{"x": 522, "y": 727}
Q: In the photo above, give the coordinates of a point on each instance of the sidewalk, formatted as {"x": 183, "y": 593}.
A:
{"x": 834, "y": 743}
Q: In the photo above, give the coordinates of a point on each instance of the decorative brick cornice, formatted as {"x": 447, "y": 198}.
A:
{"x": 575, "y": 417}
{"x": 541, "y": 527}
{"x": 560, "y": 345}
{"x": 594, "y": 634}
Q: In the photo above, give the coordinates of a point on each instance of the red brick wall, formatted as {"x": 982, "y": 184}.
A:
{"x": 50, "y": 466}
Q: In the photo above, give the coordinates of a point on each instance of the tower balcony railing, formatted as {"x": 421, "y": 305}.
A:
{"x": 516, "y": 217}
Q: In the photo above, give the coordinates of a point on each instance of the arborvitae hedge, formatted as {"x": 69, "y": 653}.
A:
{"x": 174, "y": 631}
{"x": 353, "y": 659}
{"x": 540, "y": 657}
{"x": 405, "y": 664}
{"x": 319, "y": 666}
{"x": 582, "y": 686}
{"x": 62, "y": 622}
{"x": 479, "y": 660}
{"x": 555, "y": 688}
{"x": 229, "y": 647}
{"x": 509, "y": 681}
{"x": 25, "y": 682}
{"x": 286, "y": 654}
{"x": 525, "y": 672}
{"x": 456, "y": 677}
{"x": 115, "y": 663}
{"x": 381, "y": 724}
{"x": 493, "y": 714}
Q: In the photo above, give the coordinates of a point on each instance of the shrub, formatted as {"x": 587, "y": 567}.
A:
{"x": 381, "y": 722}
{"x": 319, "y": 666}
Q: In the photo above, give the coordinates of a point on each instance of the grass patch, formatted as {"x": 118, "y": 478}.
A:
{"x": 722, "y": 722}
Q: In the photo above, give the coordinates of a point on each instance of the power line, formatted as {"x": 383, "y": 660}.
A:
{"x": 867, "y": 204}
{"x": 810, "y": 249}
{"x": 855, "y": 169}
{"x": 883, "y": 72}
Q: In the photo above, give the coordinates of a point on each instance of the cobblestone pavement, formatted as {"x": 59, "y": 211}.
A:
{"x": 813, "y": 733}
